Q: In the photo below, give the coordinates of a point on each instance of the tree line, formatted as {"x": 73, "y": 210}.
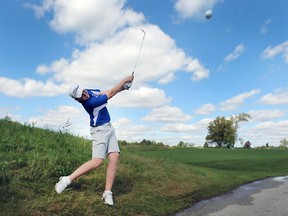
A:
{"x": 222, "y": 133}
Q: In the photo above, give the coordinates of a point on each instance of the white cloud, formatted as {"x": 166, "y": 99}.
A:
{"x": 169, "y": 134}
{"x": 199, "y": 127}
{"x": 239, "y": 49}
{"x": 42, "y": 69}
{"x": 264, "y": 28}
{"x": 179, "y": 128}
{"x": 128, "y": 131}
{"x": 236, "y": 101}
{"x": 106, "y": 63}
{"x": 280, "y": 96}
{"x": 265, "y": 132}
{"x": 199, "y": 71}
{"x": 194, "y": 9}
{"x": 271, "y": 52}
{"x": 205, "y": 109}
{"x": 40, "y": 10}
{"x": 266, "y": 115}
{"x": 112, "y": 45}
{"x": 28, "y": 87}
{"x": 90, "y": 19}
{"x": 102, "y": 65}
{"x": 10, "y": 112}
{"x": 266, "y": 127}
{"x": 57, "y": 118}
{"x": 141, "y": 97}
{"x": 167, "y": 114}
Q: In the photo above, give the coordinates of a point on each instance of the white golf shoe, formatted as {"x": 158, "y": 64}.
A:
{"x": 60, "y": 186}
{"x": 108, "y": 198}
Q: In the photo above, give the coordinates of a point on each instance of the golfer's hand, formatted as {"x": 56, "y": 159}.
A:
{"x": 128, "y": 82}
{"x": 130, "y": 78}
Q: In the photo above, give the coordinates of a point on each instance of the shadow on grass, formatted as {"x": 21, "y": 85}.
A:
{"x": 123, "y": 185}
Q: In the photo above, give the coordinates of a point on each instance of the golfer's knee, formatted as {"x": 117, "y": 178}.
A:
{"x": 96, "y": 162}
{"x": 114, "y": 157}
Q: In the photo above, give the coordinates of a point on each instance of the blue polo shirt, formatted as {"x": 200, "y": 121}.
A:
{"x": 96, "y": 107}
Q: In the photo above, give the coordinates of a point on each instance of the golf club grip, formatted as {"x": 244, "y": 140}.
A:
{"x": 127, "y": 85}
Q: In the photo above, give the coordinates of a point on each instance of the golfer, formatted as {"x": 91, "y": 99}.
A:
{"x": 104, "y": 142}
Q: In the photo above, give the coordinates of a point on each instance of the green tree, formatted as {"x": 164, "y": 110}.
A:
{"x": 236, "y": 119}
{"x": 180, "y": 144}
{"x": 223, "y": 132}
{"x": 284, "y": 143}
{"x": 185, "y": 144}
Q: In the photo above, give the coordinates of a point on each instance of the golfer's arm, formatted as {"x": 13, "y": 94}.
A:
{"x": 116, "y": 89}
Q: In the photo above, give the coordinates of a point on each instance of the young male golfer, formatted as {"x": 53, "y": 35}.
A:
{"x": 103, "y": 136}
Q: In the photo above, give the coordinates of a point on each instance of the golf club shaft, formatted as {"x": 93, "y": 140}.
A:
{"x": 144, "y": 34}
{"x": 129, "y": 84}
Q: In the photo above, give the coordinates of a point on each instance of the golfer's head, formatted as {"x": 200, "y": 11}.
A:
{"x": 76, "y": 91}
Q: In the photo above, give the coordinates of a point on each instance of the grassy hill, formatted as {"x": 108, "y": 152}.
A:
{"x": 32, "y": 160}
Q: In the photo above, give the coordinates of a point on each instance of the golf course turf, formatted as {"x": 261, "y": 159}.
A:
{"x": 158, "y": 182}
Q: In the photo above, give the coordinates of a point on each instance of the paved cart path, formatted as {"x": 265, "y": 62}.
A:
{"x": 267, "y": 197}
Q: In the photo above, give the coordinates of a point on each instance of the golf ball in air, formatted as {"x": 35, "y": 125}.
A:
{"x": 208, "y": 14}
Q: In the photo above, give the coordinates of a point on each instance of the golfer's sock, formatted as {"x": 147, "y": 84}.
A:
{"x": 67, "y": 179}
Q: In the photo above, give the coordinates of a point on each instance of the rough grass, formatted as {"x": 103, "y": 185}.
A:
{"x": 155, "y": 183}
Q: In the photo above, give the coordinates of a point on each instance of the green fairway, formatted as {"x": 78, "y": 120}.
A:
{"x": 269, "y": 161}
{"x": 207, "y": 155}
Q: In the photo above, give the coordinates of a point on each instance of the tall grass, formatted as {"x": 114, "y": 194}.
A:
{"x": 147, "y": 183}
{"x": 32, "y": 160}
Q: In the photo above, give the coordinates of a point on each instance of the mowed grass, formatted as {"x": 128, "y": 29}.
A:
{"x": 147, "y": 183}
{"x": 250, "y": 162}
{"x": 221, "y": 158}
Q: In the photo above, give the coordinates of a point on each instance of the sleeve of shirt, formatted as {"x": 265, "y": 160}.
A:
{"x": 96, "y": 101}
{"x": 94, "y": 91}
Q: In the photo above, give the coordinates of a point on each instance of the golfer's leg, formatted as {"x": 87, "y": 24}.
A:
{"x": 111, "y": 170}
{"x": 86, "y": 167}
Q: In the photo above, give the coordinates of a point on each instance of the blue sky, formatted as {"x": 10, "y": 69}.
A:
{"x": 190, "y": 69}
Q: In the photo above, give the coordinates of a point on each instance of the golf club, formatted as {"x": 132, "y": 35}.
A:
{"x": 127, "y": 85}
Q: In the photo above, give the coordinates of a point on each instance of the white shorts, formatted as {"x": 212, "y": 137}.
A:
{"x": 104, "y": 140}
